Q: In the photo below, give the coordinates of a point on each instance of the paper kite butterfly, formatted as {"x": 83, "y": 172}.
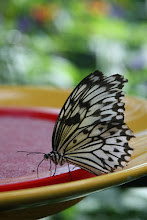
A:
{"x": 90, "y": 131}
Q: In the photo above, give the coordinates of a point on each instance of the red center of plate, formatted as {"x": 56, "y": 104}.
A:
{"x": 29, "y": 130}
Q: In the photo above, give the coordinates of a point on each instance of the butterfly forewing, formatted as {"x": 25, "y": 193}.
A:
{"x": 69, "y": 116}
{"x": 90, "y": 130}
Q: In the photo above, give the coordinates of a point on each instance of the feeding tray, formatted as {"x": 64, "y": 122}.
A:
{"x": 27, "y": 118}
{"x": 31, "y": 130}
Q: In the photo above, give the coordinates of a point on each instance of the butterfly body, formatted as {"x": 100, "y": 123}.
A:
{"x": 55, "y": 157}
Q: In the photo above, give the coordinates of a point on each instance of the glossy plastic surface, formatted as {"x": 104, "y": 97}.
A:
{"x": 54, "y": 198}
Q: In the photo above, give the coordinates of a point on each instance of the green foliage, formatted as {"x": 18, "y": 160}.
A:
{"x": 111, "y": 204}
{"x": 41, "y": 41}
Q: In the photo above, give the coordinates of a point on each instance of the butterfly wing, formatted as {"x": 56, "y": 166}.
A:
{"x": 90, "y": 131}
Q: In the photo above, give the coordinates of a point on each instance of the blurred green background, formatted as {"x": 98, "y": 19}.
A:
{"x": 57, "y": 43}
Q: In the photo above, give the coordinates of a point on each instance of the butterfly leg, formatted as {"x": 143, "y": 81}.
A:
{"x": 55, "y": 170}
{"x": 69, "y": 172}
{"x": 50, "y": 168}
{"x": 74, "y": 167}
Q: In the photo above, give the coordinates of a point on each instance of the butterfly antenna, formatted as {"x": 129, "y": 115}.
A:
{"x": 38, "y": 167}
{"x": 28, "y": 153}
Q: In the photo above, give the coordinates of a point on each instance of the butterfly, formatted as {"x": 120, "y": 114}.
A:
{"x": 90, "y": 131}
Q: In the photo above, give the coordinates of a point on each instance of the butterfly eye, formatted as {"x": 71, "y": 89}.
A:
{"x": 46, "y": 156}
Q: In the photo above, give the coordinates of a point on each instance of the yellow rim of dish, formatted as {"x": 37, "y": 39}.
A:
{"x": 37, "y": 97}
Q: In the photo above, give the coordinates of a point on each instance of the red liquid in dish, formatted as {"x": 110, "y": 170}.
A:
{"x": 29, "y": 130}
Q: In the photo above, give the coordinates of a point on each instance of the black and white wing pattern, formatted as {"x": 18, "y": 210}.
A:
{"x": 90, "y": 131}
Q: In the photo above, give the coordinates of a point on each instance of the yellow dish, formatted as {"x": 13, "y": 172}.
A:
{"x": 47, "y": 200}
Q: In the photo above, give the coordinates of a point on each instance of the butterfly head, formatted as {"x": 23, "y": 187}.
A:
{"x": 46, "y": 156}
{"x": 53, "y": 156}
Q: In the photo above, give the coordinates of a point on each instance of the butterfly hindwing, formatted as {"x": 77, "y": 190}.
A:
{"x": 103, "y": 150}
{"x": 90, "y": 130}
